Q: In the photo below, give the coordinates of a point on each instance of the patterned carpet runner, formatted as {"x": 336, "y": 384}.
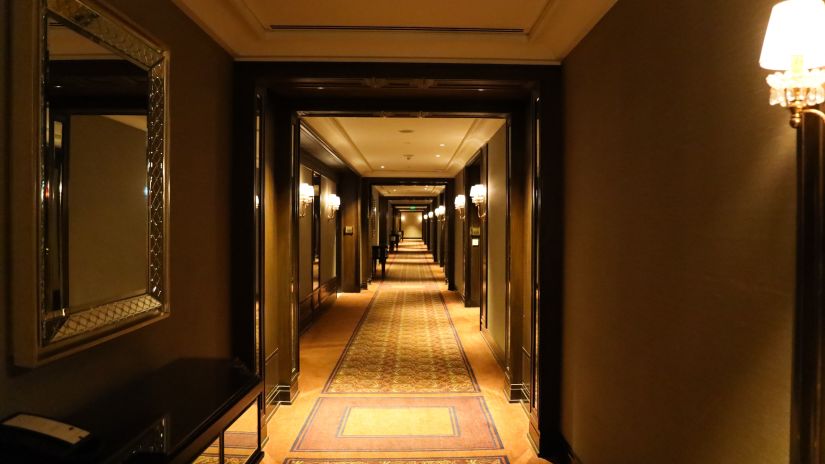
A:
{"x": 473, "y": 460}
{"x": 406, "y": 342}
{"x": 404, "y": 345}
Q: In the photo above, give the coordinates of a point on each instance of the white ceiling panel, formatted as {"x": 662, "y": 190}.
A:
{"x": 405, "y": 147}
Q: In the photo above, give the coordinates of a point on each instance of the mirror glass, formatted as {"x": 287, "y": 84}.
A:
{"x": 102, "y": 177}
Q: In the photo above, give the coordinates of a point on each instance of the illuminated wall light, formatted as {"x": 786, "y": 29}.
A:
{"x": 333, "y": 205}
{"x": 306, "y": 195}
{"x": 441, "y": 213}
{"x": 478, "y": 193}
{"x": 794, "y": 47}
{"x": 460, "y": 206}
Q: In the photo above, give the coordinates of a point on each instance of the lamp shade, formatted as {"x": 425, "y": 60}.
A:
{"x": 478, "y": 193}
{"x": 440, "y": 211}
{"x": 460, "y": 201}
{"x": 306, "y": 192}
{"x": 334, "y": 201}
{"x": 795, "y": 38}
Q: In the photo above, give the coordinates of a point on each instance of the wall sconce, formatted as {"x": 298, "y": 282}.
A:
{"x": 478, "y": 193}
{"x": 441, "y": 213}
{"x": 306, "y": 194}
{"x": 795, "y": 47}
{"x": 333, "y": 205}
{"x": 429, "y": 215}
{"x": 460, "y": 205}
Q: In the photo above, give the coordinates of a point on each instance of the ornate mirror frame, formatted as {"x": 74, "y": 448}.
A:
{"x": 39, "y": 336}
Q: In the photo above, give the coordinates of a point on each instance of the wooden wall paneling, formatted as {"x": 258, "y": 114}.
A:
{"x": 518, "y": 156}
{"x": 449, "y": 239}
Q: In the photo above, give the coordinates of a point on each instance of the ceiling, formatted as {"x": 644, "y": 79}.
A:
{"x": 410, "y": 191}
{"x": 537, "y": 31}
{"x": 405, "y": 147}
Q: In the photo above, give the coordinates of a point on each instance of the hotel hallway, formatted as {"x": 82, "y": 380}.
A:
{"x": 385, "y": 377}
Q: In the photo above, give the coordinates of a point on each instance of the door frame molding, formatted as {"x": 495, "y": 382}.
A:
{"x": 423, "y": 89}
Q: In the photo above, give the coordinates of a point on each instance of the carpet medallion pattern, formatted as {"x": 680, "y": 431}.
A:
{"x": 473, "y": 460}
{"x": 458, "y": 423}
{"x": 406, "y": 342}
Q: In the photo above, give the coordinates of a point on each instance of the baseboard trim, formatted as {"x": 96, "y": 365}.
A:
{"x": 514, "y": 392}
{"x": 557, "y": 449}
{"x": 534, "y": 437}
{"x": 498, "y": 354}
{"x": 284, "y": 394}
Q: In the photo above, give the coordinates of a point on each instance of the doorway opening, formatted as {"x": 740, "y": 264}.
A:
{"x": 409, "y": 327}
{"x": 287, "y": 103}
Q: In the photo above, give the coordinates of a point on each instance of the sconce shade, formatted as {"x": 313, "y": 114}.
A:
{"x": 460, "y": 201}
{"x": 334, "y": 201}
{"x": 306, "y": 192}
{"x": 478, "y": 193}
{"x": 795, "y": 39}
{"x": 440, "y": 211}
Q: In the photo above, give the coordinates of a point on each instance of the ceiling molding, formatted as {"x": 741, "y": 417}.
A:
{"x": 429, "y": 29}
{"x": 541, "y": 18}
{"x": 541, "y": 32}
{"x": 336, "y": 123}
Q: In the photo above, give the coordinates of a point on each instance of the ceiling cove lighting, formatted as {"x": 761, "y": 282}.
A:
{"x": 460, "y": 206}
{"x": 794, "y": 47}
{"x": 478, "y": 193}
{"x": 306, "y": 195}
{"x": 333, "y": 205}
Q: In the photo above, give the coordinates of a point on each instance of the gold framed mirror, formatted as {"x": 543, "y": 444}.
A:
{"x": 98, "y": 193}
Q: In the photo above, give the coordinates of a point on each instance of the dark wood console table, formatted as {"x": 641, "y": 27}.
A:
{"x": 181, "y": 413}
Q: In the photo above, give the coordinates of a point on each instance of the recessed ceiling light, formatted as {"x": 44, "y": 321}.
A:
{"x": 438, "y": 156}
{"x": 442, "y": 145}
{"x": 382, "y": 167}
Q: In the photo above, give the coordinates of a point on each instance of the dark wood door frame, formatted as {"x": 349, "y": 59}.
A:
{"x": 424, "y": 89}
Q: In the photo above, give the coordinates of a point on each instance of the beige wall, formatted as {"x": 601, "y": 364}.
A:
{"x": 679, "y": 226}
{"x": 497, "y": 237}
{"x": 108, "y": 231}
{"x": 411, "y": 223}
{"x": 200, "y": 157}
{"x": 329, "y": 234}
